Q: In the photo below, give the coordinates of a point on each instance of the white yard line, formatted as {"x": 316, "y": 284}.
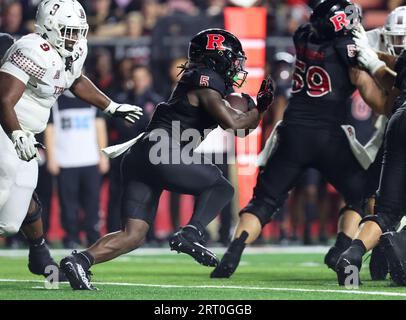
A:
{"x": 169, "y": 286}
{"x": 166, "y": 251}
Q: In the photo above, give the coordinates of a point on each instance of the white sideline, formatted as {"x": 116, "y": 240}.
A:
{"x": 166, "y": 251}
{"x": 125, "y": 284}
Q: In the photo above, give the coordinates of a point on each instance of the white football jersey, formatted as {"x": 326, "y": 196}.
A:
{"x": 46, "y": 76}
{"x": 376, "y": 40}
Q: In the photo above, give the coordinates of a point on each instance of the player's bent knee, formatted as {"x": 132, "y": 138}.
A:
{"x": 387, "y": 222}
{"x": 262, "y": 210}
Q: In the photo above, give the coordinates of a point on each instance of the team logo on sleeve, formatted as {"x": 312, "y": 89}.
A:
{"x": 215, "y": 42}
{"x": 339, "y": 21}
{"x": 204, "y": 81}
{"x": 352, "y": 50}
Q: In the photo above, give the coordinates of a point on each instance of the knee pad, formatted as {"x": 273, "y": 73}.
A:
{"x": 357, "y": 208}
{"x": 36, "y": 213}
{"x": 387, "y": 222}
{"x": 262, "y": 210}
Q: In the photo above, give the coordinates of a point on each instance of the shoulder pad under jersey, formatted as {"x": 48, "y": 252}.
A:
{"x": 32, "y": 54}
{"x": 347, "y": 50}
{"x": 202, "y": 77}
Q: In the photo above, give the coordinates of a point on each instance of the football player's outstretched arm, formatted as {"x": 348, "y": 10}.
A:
{"x": 374, "y": 96}
{"x": 385, "y": 77}
{"x": 85, "y": 89}
{"x": 378, "y": 65}
{"x": 11, "y": 90}
{"x": 389, "y": 59}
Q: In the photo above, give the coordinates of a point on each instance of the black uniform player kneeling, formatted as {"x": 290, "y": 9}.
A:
{"x": 215, "y": 65}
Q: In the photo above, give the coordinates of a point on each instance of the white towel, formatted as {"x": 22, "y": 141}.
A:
{"x": 269, "y": 146}
{"x": 118, "y": 149}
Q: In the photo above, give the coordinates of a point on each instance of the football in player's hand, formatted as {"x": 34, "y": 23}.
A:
{"x": 239, "y": 101}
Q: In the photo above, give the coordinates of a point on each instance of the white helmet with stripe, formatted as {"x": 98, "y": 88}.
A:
{"x": 62, "y": 23}
{"x": 394, "y": 31}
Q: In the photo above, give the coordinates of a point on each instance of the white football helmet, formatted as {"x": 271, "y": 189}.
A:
{"x": 62, "y": 23}
{"x": 394, "y": 31}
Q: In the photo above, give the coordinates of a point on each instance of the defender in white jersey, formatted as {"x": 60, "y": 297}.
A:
{"x": 391, "y": 37}
{"x": 35, "y": 71}
{"x": 39, "y": 257}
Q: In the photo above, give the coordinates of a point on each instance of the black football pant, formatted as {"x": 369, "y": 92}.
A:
{"x": 145, "y": 180}
{"x": 301, "y": 147}
{"x": 391, "y": 195}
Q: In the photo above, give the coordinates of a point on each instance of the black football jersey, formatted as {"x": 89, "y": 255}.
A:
{"x": 177, "y": 114}
{"x": 400, "y": 69}
{"x": 321, "y": 84}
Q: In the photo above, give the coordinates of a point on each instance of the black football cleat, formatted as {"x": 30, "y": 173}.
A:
{"x": 378, "y": 266}
{"x": 331, "y": 257}
{"x": 78, "y": 277}
{"x": 39, "y": 260}
{"x": 394, "y": 245}
{"x": 190, "y": 240}
{"x": 231, "y": 258}
{"x": 349, "y": 259}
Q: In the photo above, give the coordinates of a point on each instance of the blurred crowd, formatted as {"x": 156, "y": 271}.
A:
{"x": 136, "y": 47}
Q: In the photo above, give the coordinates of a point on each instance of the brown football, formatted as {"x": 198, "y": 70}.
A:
{"x": 237, "y": 101}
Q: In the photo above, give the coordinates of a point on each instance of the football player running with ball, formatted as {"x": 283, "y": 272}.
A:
{"x": 311, "y": 135}
{"x": 215, "y": 64}
{"x": 34, "y": 72}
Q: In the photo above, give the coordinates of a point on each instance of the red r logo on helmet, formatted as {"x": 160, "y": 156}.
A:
{"x": 215, "y": 42}
{"x": 340, "y": 21}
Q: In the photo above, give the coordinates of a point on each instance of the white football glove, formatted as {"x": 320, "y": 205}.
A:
{"x": 367, "y": 57}
{"x": 126, "y": 111}
{"x": 361, "y": 35}
{"x": 25, "y": 144}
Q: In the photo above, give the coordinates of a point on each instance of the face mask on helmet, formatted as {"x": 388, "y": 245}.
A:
{"x": 72, "y": 35}
{"x": 220, "y": 51}
{"x": 394, "y": 31}
{"x": 395, "y": 43}
{"x": 237, "y": 73}
{"x": 62, "y": 23}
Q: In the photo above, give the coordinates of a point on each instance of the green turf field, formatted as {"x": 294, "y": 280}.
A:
{"x": 161, "y": 275}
